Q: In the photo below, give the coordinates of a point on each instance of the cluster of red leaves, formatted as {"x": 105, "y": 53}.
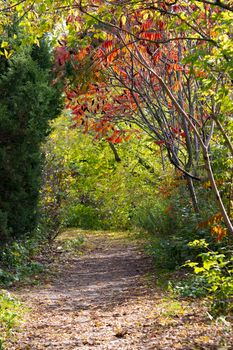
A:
{"x": 217, "y": 229}
{"x": 97, "y": 107}
{"x": 94, "y": 113}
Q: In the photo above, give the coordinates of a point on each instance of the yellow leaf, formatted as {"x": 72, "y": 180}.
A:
{"x": 4, "y": 44}
{"x": 203, "y": 339}
{"x": 123, "y": 20}
{"x": 8, "y": 54}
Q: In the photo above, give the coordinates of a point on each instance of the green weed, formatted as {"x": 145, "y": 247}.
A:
{"x": 74, "y": 244}
{"x": 17, "y": 261}
{"x": 11, "y": 313}
{"x": 214, "y": 276}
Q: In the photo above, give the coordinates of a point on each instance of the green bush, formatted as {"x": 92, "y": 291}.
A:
{"x": 216, "y": 267}
{"x": 170, "y": 233}
{"x": 169, "y": 252}
{"x": 152, "y": 218}
{"x": 192, "y": 287}
{"x": 81, "y": 216}
{"x": 11, "y": 313}
{"x": 17, "y": 261}
{"x": 4, "y": 231}
{"x": 172, "y": 223}
{"x": 27, "y": 102}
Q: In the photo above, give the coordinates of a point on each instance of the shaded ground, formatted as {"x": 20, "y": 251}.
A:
{"x": 104, "y": 299}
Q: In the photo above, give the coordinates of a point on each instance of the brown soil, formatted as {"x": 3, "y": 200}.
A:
{"x": 107, "y": 298}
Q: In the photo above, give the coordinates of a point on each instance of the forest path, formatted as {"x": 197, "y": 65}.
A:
{"x": 104, "y": 299}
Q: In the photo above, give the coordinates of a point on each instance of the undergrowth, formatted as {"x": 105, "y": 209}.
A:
{"x": 74, "y": 244}
{"x": 11, "y": 314}
{"x": 181, "y": 240}
{"x": 17, "y": 261}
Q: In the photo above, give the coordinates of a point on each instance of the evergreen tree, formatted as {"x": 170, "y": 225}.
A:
{"x": 28, "y": 100}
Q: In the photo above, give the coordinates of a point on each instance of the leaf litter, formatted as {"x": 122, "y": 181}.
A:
{"x": 99, "y": 298}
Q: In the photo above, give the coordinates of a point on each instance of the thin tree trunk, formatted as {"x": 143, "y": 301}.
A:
{"x": 215, "y": 190}
{"x": 116, "y": 155}
{"x": 226, "y": 138}
{"x": 194, "y": 126}
{"x": 192, "y": 193}
{"x": 230, "y": 195}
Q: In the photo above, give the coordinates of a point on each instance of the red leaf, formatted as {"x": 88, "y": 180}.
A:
{"x": 160, "y": 24}
{"x": 118, "y": 140}
{"x": 108, "y": 45}
{"x": 159, "y": 142}
{"x": 151, "y": 36}
{"x": 157, "y": 56}
{"x": 146, "y": 25}
{"x": 112, "y": 56}
{"x": 70, "y": 95}
{"x": 175, "y": 130}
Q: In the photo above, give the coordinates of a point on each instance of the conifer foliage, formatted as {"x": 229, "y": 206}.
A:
{"x": 28, "y": 100}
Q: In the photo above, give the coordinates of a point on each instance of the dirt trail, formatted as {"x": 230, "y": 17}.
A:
{"x": 102, "y": 300}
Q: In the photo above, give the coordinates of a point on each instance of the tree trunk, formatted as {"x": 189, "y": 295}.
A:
{"x": 116, "y": 155}
{"x": 216, "y": 191}
{"x": 226, "y": 138}
{"x": 192, "y": 193}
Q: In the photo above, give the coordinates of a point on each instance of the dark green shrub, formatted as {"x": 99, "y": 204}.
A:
{"x": 169, "y": 252}
{"x": 17, "y": 262}
{"x": 192, "y": 287}
{"x": 4, "y": 231}
{"x": 27, "y": 102}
